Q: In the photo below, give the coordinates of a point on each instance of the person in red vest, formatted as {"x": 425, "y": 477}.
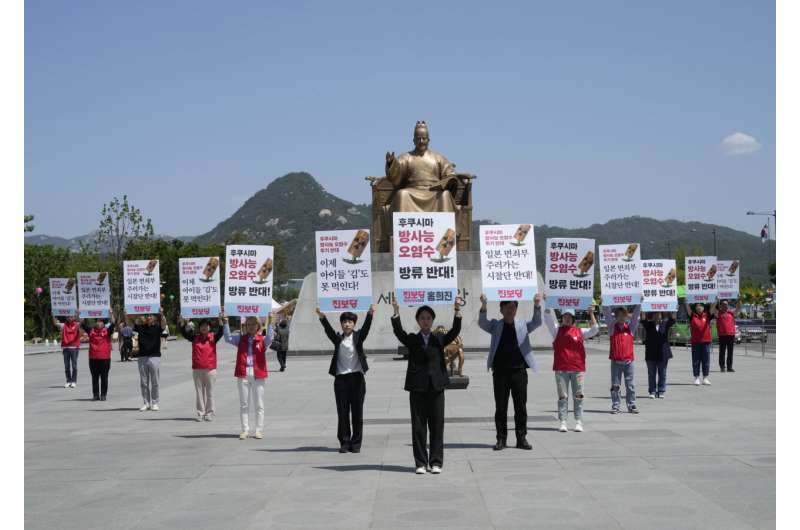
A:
{"x": 250, "y": 371}
{"x": 70, "y": 346}
{"x": 621, "y": 330}
{"x": 569, "y": 361}
{"x": 99, "y": 355}
{"x": 700, "y": 330}
{"x": 726, "y": 333}
{"x": 204, "y": 364}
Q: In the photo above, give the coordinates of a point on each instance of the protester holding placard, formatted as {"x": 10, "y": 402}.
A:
{"x": 657, "y": 351}
{"x": 726, "y": 334}
{"x": 510, "y": 354}
{"x": 250, "y": 371}
{"x": 149, "y": 329}
{"x": 348, "y": 366}
{"x": 426, "y": 379}
{"x": 700, "y": 329}
{"x": 70, "y": 347}
{"x": 204, "y": 364}
{"x": 99, "y": 355}
{"x": 569, "y": 362}
{"x": 621, "y": 330}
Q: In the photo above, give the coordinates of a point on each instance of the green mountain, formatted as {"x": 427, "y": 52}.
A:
{"x": 291, "y": 208}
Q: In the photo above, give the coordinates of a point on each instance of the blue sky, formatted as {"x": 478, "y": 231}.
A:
{"x": 569, "y": 113}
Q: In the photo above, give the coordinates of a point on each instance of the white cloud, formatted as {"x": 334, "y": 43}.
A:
{"x": 740, "y": 143}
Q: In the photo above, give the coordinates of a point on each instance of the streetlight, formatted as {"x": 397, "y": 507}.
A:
{"x": 713, "y": 231}
{"x": 772, "y": 213}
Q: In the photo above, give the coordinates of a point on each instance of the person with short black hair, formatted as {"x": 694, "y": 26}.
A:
{"x": 426, "y": 379}
{"x": 348, "y": 366}
{"x": 510, "y": 355}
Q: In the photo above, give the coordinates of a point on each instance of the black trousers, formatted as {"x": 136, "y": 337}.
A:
{"x": 427, "y": 412}
{"x": 726, "y": 344}
{"x": 99, "y": 369}
{"x": 515, "y": 382}
{"x": 350, "y": 390}
{"x": 282, "y": 358}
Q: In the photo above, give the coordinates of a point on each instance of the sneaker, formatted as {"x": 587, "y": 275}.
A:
{"x": 66, "y": 385}
{"x": 198, "y": 418}
{"x": 208, "y": 417}
{"x": 243, "y": 435}
{"x": 562, "y": 427}
{"x": 154, "y": 407}
{"x": 420, "y": 470}
{"x": 731, "y": 370}
{"x": 706, "y": 381}
{"x": 652, "y": 396}
{"x": 579, "y": 426}
{"x": 144, "y": 407}
{"x": 697, "y": 381}
{"x": 661, "y": 395}
{"x": 258, "y": 435}
{"x": 633, "y": 410}
{"x": 436, "y": 470}
{"x": 615, "y": 411}
{"x": 72, "y": 385}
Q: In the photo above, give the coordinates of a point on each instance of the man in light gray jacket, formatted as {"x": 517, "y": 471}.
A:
{"x": 510, "y": 355}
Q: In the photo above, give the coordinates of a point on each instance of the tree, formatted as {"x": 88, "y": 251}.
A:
{"x": 773, "y": 276}
{"x": 29, "y": 227}
{"x": 120, "y": 224}
{"x": 42, "y": 262}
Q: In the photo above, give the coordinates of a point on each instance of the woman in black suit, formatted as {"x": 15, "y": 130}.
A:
{"x": 426, "y": 379}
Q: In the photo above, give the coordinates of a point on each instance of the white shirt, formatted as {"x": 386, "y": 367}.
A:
{"x": 347, "y": 361}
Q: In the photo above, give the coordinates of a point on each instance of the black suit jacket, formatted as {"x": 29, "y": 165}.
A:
{"x": 359, "y": 336}
{"x": 426, "y": 366}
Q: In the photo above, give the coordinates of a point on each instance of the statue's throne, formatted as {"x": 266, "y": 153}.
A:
{"x": 383, "y": 192}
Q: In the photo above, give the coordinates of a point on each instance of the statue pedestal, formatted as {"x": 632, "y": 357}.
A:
{"x": 307, "y": 338}
{"x": 458, "y": 382}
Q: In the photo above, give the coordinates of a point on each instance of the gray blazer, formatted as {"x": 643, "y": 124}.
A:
{"x": 495, "y": 328}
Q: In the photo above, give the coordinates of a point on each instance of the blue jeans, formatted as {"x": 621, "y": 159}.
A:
{"x": 701, "y": 355}
{"x": 563, "y": 381}
{"x": 657, "y": 368}
{"x": 71, "y": 364}
{"x": 620, "y": 369}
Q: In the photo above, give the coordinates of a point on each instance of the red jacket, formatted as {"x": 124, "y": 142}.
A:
{"x": 99, "y": 343}
{"x": 204, "y": 352}
{"x": 701, "y": 331}
{"x": 568, "y": 352}
{"x": 726, "y": 324}
{"x": 71, "y": 335}
{"x": 621, "y": 343}
{"x": 259, "y": 357}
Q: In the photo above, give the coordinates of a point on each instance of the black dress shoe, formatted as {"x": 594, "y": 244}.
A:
{"x": 500, "y": 445}
{"x": 95, "y": 398}
{"x": 731, "y": 370}
{"x": 102, "y": 398}
{"x": 522, "y": 443}
{"x": 722, "y": 369}
{"x": 355, "y": 448}
{"x": 283, "y": 368}
{"x": 344, "y": 448}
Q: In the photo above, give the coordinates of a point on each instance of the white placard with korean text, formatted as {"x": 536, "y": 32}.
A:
{"x": 569, "y": 274}
{"x": 425, "y": 258}
{"x": 701, "y": 279}
{"x": 199, "y": 287}
{"x": 620, "y": 274}
{"x": 508, "y": 262}
{"x": 63, "y": 297}
{"x": 248, "y": 280}
{"x": 142, "y": 287}
{"x": 344, "y": 270}
{"x": 94, "y": 294}
{"x": 728, "y": 279}
{"x": 659, "y": 285}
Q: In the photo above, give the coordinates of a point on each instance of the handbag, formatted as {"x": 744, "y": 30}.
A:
{"x": 275, "y": 345}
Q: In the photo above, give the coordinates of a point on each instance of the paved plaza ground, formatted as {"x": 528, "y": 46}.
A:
{"x": 702, "y": 458}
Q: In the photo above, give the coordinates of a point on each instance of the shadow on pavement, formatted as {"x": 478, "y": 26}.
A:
{"x": 367, "y": 467}
{"x": 168, "y": 419}
{"x": 305, "y": 449}
{"x": 130, "y": 409}
{"x": 193, "y": 436}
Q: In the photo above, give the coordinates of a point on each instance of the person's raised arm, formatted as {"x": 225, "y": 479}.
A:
{"x": 712, "y": 310}
{"x": 397, "y": 326}
{"x": 364, "y": 331}
{"x": 608, "y": 316}
{"x": 594, "y": 327}
{"x": 550, "y": 322}
{"x": 182, "y": 330}
{"x": 536, "y": 320}
{"x": 483, "y": 322}
{"x": 85, "y": 327}
{"x": 59, "y": 325}
{"x": 637, "y": 313}
{"x": 455, "y": 330}
{"x": 688, "y": 308}
{"x": 329, "y": 331}
{"x": 226, "y": 331}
